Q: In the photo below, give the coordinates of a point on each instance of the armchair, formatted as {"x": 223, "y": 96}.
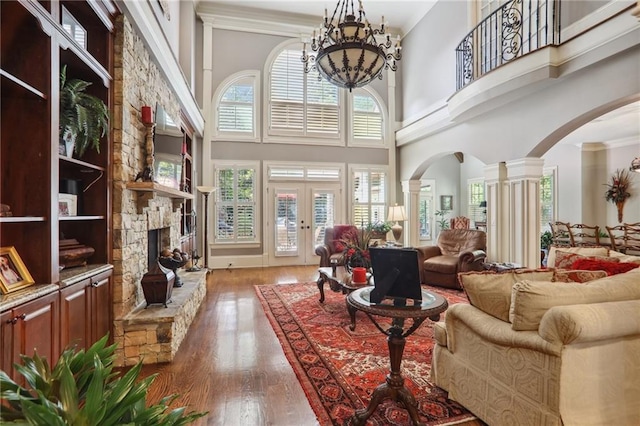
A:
{"x": 332, "y": 248}
{"x": 457, "y": 250}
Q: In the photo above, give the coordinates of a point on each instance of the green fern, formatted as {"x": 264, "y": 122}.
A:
{"x": 82, "y": 390}
{"x": 83, "y": 115}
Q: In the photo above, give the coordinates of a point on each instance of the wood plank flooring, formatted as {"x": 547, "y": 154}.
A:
{"x": 231, "y": 363}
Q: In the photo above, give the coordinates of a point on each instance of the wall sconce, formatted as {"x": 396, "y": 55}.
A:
{"x": 206, "y": 191}
{"x": 635, "y": 165}
{"x": 397, "y": 214}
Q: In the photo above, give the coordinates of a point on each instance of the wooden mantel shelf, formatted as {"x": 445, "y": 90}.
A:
{"x": 149, "y": 190}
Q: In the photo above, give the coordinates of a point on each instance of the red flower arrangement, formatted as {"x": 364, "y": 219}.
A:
{"x": 356, "y": 248}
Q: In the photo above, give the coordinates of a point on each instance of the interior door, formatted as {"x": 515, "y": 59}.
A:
{"x": 299, "y": 214}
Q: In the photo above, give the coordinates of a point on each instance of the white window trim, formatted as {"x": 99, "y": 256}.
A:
{"x": 370, "y": 168}
{"x": 216, "y": 164}
{"x": 432, "y": 217}
{"x": 253, "y": 136}
{"x": 368, "y": 143}
{"x": 469, "y": 183}
{"x": 295, "y": 137}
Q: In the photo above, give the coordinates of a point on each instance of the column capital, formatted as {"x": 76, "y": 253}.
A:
{"x": 495, "y": 173}
{"x": 411, "y": 185}
{"x": 524, "y": 168}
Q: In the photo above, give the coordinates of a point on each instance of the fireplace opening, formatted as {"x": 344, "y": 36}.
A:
{"x": 158, "y": 239}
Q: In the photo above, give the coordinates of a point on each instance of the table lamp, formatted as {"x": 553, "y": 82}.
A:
{"x": 396, "y": 214}
{"x": 206, "y": 191}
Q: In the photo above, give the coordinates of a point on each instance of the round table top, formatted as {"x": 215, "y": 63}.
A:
{"x": 431, "y": 304}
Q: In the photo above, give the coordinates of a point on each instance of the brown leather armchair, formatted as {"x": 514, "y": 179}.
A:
{"x": 457, "y": 250}
{"x": 330, "y": 248}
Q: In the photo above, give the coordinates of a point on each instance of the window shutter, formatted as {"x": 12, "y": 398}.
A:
{"x": 367, "y": 118}
{"x": 287, "y": 89}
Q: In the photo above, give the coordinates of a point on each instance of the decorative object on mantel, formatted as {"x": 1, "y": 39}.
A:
{"x": 173, "y": 260}
{"x": 157, "y": 285}
{"x": 84, "y": 118}
{"x": 206, "y": 191}
{"x": 72, "y": 253}
{"x": 618, "y": 190}
{"x": 348, "y": 54}
{"x": 147, "y": 174}
{"x": 5, "y": 210}
{"x": 14, "y": 275}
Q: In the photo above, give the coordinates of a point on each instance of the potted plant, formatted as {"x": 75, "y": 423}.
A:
{"x": 83, "y": 389}
{"x": 546, "y": 239}
{"x": 379, "y": 229}
{"x": 84, "y": 118}
{"x": 442, "y": 221}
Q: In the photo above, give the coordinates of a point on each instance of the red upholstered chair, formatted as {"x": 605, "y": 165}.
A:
{"x": 332, "y": 247}
{"x": 460, "y": 222}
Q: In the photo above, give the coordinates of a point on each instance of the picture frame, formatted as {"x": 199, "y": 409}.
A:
{"x": 14, "y": 275}
{"x": 446, "y": 202}
{"x": 67, "y": 204}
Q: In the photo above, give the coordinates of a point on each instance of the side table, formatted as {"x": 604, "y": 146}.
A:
{"x": 431, "y": 306}
{"x": 340, "y": 280}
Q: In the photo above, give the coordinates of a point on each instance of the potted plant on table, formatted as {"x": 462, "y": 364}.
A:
{"x": 83, "y": 389}
{"x": 379, "y": 229}
{"x": 84, "y": 118}
{"x": 356, "y": 249}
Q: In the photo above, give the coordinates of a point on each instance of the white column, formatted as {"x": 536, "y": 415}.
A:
{"x": 495, "y": 176}
{"x": 411, "y": 192}
{"x": 391, "y": 136}
{"x": 524, "y": 207}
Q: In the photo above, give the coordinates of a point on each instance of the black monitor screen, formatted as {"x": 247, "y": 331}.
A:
{"x": 395, "y": 273}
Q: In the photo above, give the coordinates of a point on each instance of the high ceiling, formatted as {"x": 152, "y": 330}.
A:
{"x": 620, "y": 126}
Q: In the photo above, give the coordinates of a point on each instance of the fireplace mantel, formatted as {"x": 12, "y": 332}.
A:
{"x": 148, "y": 191}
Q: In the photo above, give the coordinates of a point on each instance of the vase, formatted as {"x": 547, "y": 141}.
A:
{"x": 620, "y": 206}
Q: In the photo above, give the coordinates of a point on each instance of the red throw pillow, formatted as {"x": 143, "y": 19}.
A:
{"x": 339, "y": 232}
{"x": 611, "y": 268}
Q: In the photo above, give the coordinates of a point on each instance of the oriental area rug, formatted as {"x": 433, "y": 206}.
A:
{"x": 339, "y": 369}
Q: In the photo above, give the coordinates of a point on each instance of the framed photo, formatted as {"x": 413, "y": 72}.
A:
{"x": 67, "y": 204}
{"x": 13, "y": 274}
{"x": 446, "y": 202}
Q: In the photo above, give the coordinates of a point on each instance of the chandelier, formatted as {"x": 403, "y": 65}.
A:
{"x": 347, "y": 51}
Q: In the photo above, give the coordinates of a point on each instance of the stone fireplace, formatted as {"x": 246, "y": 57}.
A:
{"x": 143, "y": 222}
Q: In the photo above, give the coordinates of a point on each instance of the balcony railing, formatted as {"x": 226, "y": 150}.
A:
{"x": 518, "y": 27}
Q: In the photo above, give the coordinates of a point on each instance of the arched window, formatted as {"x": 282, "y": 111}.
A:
{"x": 300, "y": 104}
{"x": 366, "y": 119}
{"x": 237, "y": 107}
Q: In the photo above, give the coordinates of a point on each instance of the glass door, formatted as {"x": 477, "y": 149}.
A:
{"x": 299, "y": 215}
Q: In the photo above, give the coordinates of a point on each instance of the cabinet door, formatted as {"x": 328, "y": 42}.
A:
{"x": 37, "y": 328}
{"x": 75, "y": 326}
{"x": 101, "y": 306}
{"x": 7, "y": 349}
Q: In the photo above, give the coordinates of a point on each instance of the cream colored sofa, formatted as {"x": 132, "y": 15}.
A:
{"x": 529, "y": 350}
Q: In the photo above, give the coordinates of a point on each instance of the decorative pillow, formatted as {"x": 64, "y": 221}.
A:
{"x": 577, "y": 276}
{"x": 491, "y": 292}
{"x": 531, "y": 299}
{"x": 611, "y": 268}
{"x": 565, "y": 259}
{"x": 339, "y": 232}
{"x": 585, "y": 251}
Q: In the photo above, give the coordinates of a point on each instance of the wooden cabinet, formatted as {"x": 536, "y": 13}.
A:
{"x": 28, "y": 328}
{"x": 35, "y": 46}
{"x": 85, "y": 310}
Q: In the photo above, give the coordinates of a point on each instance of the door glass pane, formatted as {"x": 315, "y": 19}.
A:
{"x": 323, "y": 214}
{"x": 286, "y": 222}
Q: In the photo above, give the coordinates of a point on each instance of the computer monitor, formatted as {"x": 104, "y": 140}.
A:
{"x": 395, "y": 273}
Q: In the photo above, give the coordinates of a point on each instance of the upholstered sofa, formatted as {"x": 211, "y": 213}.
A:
{"x": 457, "y": 250}
{"x": 530, "y": 350}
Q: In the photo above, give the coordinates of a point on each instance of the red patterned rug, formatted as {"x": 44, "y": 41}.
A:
{"x": 339, "y": 369}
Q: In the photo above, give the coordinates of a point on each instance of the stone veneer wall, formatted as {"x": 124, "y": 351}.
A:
{"x": 137, "y": 82}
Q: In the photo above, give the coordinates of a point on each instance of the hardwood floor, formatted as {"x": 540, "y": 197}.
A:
{"x": 231, "y": 363}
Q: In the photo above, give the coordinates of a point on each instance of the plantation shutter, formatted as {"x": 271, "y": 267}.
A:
{"x": 322, "y": 105}
{"x": 367, "y": 118}
{"x": 235, "y": 111}
{"x": 287, "y": 91}
{"x": 369, "y": 197}
{"x": 235, "y": 204}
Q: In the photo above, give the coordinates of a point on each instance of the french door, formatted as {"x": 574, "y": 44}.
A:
{"x": 298, "y": 216}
